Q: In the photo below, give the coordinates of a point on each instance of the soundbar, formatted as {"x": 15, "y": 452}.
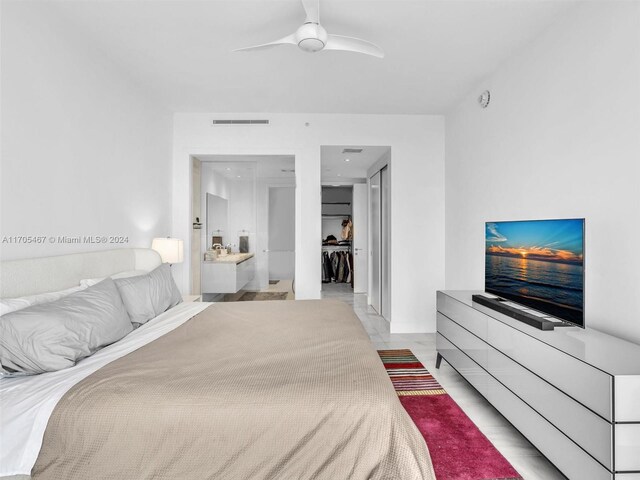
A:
{"x": 498, "y": 305}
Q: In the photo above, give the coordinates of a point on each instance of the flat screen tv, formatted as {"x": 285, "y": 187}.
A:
{"x": 538, "y": 264}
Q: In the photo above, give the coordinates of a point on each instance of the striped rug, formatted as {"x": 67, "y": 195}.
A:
{"x": 408, "y": 375}
{"x": 459, "y": 451}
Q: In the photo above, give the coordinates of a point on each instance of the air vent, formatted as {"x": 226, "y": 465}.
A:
{"x": 288, "y": 170}
{"x": 352, "y": 150}
{"x": 241, "y": 122}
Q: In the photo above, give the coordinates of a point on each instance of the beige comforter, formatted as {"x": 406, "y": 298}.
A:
{"x": 248, "y": 390}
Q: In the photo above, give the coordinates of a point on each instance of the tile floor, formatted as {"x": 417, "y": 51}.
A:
{"x": 522, "y": 455}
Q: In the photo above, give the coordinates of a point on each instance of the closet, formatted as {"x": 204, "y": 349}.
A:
{"x": 337, "y": 235}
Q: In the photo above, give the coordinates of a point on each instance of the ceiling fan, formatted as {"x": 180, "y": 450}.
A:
{"x": 312, "y": 37}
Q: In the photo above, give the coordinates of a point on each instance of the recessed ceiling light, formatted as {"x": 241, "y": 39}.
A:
{"x": 238, "y": 176}
{"x": 228, "y": 169}
{"x": 347, "y": 160}
{"x": 339, "y": 174}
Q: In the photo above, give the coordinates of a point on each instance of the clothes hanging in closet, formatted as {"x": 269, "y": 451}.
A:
{"x": 327, "y": 270}
{"x": 337, "y": 267}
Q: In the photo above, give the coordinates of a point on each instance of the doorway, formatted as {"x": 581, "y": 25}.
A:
{"x": 339, "y": 271}
{"x": 346, "y": 231}
{"x": 247, "y": 227}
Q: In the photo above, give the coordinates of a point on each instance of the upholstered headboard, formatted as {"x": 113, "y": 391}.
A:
{"x": 49, "y": 274}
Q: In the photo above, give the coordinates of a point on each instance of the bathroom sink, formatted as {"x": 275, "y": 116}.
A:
{"x": 232, "y": 258}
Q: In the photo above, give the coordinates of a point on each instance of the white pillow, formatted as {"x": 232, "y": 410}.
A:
{"x": 8, "y": 305}
{"x": 89, "y": 282}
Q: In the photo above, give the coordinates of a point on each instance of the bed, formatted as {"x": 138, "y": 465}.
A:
{"x": 287, "y": 390}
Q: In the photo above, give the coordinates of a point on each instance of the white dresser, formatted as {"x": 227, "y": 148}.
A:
{"x": 574, "y": 393}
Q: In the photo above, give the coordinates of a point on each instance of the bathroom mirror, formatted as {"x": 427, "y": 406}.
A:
{"x": 217, "y": 218}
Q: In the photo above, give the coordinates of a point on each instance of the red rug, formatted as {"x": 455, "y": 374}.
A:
{"x": 459, "y": 451}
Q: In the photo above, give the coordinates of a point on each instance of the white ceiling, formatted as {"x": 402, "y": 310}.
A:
{"x": 436, "y": 50}
{"x": 249, "y": 167}
{"x": 336, "y": 168}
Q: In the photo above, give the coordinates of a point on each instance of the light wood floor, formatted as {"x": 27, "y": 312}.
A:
{"x": 281, "y": 286}
{"x": 522, "y": 455}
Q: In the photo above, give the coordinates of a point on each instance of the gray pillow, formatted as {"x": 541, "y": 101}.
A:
{"x": 147, "y": 296}
{"x": 55, "y": 335}
{"x": 135, "y": 293}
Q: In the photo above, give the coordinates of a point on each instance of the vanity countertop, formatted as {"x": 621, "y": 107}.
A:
{"x": 232, "y": 258}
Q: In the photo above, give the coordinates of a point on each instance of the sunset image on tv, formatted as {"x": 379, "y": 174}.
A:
{"x": 538, "y": 263}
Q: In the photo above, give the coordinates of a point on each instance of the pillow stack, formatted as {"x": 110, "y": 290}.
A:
{"x": 46, "y": 337}
{"x": 55, "y": 335}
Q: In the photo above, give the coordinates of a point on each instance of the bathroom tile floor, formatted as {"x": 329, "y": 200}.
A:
{"x": 531, "y": 464}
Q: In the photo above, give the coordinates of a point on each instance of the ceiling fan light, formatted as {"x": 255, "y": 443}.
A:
{"x": 311, "y": 45}
{"x": 311, "y": 37}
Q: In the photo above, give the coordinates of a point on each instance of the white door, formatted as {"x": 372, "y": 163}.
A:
{"x": 282, "y": 233}
{"x": 360, "y": 240}
{"x": 374, "y": 253}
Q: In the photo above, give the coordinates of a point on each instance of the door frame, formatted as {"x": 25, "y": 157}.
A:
{"x": 384, "y": 163}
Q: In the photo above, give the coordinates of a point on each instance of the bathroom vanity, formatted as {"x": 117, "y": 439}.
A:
{"x": 228, "y": 274}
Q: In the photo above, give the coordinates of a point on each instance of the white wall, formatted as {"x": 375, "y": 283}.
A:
{"x": 332, "y": 226}
{"x": 560, "y": 139}
{"x": 212, "y": 182}
{"x": 417, "y": 143}
{"x": 84, "y": 151}
{"x": 197, "y": 235}
{"x": 242, "y": 212}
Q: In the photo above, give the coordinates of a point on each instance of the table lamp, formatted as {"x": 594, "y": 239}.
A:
{"x": 171, "y": 250}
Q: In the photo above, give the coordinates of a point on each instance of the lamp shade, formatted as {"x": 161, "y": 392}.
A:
{"x": 171, "y": 250}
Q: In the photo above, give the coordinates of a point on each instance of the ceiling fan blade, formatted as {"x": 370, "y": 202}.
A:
{"x": 288, "y": 40}
{"x": 350, "y": 44}
{"x": 312, "y": 9}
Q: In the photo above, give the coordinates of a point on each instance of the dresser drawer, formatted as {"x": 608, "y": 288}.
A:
{"x": 628, "y": 447}
{"x": 591, "y": 432}
{"x": 562, "y": 452}
{"x": 474, "y": 321}
{"x": 464, "y": 340}
{"x": 627, "y": 398}
{"x": 588, "y": 430}
{"x": 466, "y": 367}
{"x": 589, "y": 386}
